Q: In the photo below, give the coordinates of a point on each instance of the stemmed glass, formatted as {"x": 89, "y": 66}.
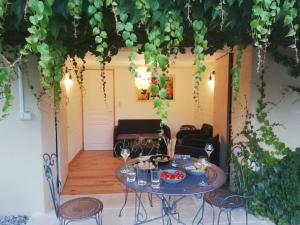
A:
{"x": 203, "y": 161}
{"x": 209, "y": 148}
{"x": 125, "y": 153}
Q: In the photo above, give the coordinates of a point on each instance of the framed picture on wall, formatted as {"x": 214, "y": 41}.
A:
{"x": 146, "y": 94}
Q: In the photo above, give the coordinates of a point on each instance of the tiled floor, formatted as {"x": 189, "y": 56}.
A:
{"x": 112, "y": 203}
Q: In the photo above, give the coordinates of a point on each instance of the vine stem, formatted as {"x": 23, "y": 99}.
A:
{"x": 221, "y": 2}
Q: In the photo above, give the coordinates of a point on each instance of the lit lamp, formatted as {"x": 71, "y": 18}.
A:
{"x": 211, "y": 81}
{"x": 142, "y": 81}
{"x": 68, "y": 82}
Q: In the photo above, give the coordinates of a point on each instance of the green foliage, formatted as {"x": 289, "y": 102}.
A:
{"x": 125, "y": 28}
{"x": 75, "y": 9}
{"x": 100, "y": 35}
{"x": 235, "y": 71}
{"x": 264, "y": 13}
{"x": 289, "y": 21}
{"x": 6, "y": 96}
{"x": 201, "y": 45}
{"x": 173, "y": 32}
{"x": 271, "y": 176}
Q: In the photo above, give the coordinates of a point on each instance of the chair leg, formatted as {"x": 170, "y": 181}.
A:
{"x": 246, "y": 212}
{"x": 97, "y": 219}
{"x": 219, "y": 216}
{"x": 150, "y": 199}
{"x": 229, "y": 217}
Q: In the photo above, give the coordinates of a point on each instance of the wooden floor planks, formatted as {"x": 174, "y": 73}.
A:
{"x": 93, "y": 172}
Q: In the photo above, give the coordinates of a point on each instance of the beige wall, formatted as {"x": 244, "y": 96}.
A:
{"x": 74, "y": 120}
{"x": 204, "y": 113}
{"x": 21, "y": 170}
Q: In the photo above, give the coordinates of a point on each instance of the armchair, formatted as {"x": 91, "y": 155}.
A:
{"x": 206, "y": 131}
{"x": 195, "y": 148}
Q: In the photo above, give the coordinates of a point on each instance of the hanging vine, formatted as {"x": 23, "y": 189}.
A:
{"x": 100, "y": 35}
{"x": 201, "y": 43}
{"x": 173, "y": 32}
{"x": 75, "y": 10}
{"x": 125, "y": 29}
{"x": 264, "y": 14}
{"x": 236, "y": 71}
{"x": 36, "y": 43}
{"x": 289, "y": 21}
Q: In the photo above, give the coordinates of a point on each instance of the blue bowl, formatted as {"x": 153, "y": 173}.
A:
{"x": 193, "y": 172}
{"x": 172, "y": 181}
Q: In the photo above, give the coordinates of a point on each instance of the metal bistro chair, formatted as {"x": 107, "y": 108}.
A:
{"x": 74, "y": 210}
{"x": 227, "y": 200}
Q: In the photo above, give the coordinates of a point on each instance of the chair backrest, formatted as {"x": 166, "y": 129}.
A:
{"x": 207, "y": 130}
{"x": 49, "y": 163}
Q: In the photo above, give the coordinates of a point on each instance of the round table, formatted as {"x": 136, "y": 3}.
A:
{"x": 215, "y": 178}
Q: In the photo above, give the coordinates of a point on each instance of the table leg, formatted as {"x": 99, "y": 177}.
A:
{"x": 140, "y": 212}
{"x": 169, "y": 210}
{"x": 199, "y": 211}
{"x": 125, "y": 201}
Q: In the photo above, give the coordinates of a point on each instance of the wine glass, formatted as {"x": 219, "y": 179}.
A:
{"x": 209, "y": 148}
{"x": 204, "y": 163}
{"x": 125, "y": 154}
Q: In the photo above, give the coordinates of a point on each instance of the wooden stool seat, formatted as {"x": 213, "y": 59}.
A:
{"x": 80, "y": 208}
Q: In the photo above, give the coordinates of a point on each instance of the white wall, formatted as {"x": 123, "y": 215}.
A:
{"x": 182, "y": 108}
{"x": 21, "y": 171}
{"x": 287, "y": 111}
{"x": 74, "y": 120}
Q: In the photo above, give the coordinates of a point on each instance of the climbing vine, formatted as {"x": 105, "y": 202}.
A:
{"x": 268, "y": 168}
{"x": 235, "y": 71}
{"x": 200, "y": 46}
{"x": 75, "y": 9}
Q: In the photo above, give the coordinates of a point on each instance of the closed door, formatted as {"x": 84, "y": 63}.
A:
{"x": 98, "y": 115}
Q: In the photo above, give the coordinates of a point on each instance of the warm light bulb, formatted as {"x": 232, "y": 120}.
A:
{"x": 142, "y": 81}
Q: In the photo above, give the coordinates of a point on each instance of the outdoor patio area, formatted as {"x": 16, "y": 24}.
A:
{"x": 113, "y": 202}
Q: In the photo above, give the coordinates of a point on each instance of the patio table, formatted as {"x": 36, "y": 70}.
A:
{"x": 171, "y": 194}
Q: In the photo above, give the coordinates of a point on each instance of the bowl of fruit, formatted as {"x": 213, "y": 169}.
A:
{"x": 197, "y": 169}
{"x": 172, "y": 176}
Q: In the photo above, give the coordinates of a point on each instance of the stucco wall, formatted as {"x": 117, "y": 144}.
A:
{"x": 287, "y": 109}
{"x": 21, "y": 171}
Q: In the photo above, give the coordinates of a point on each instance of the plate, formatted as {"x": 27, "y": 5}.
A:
{"x": 169, "y": 176}
{"x": 161, "y": 159}
{"x": 191, "y": 168}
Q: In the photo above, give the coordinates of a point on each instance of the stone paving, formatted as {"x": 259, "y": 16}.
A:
{"x": 113, "y": 202}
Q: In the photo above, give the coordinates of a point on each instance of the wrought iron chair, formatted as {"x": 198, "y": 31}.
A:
{"x": 227, "y": 200}
{"x": 74, "y": 210}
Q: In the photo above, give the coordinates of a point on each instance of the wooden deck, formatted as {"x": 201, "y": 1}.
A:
{"x": 93, "y": 172}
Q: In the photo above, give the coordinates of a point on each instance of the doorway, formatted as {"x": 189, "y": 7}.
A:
{"x": 98, "y": 111}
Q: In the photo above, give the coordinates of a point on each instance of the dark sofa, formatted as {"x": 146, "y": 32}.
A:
{"x": 205, "y": 132}
{"x": 195, "y": 148}
{"x": 138, "y": 128}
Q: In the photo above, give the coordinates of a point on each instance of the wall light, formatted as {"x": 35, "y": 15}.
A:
{"x": 211, "y": 81}
{"x": 68, "y": 82}
{"x": 143, "y": 79}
